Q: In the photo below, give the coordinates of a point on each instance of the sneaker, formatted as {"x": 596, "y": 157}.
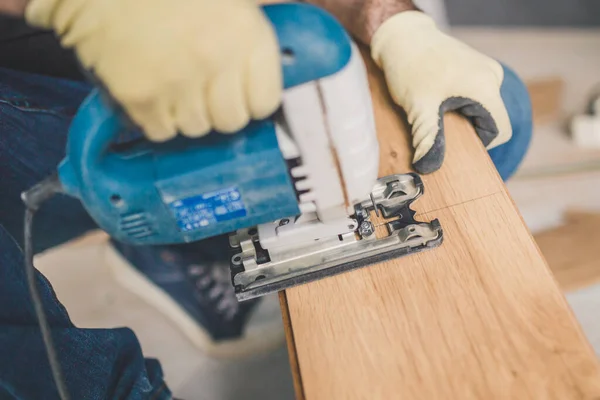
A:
{"x": 191, "y": 285}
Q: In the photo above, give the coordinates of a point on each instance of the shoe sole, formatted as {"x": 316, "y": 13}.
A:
{"x": 261, "y": 339}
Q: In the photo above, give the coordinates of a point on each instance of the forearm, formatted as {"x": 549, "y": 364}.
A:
{"x": 13, "y": 7}
{"x": 362, "y": 17}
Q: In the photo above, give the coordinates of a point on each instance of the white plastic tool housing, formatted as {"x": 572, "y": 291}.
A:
{"x": 329, "y": 125}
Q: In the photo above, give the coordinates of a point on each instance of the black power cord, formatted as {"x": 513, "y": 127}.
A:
{"x": 33, "y": 199}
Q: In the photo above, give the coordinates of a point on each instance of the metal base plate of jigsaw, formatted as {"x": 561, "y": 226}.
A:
{"x": 256, "y": 272}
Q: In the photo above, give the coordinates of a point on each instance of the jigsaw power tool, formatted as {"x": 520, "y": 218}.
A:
{"x": 296, "y": 192}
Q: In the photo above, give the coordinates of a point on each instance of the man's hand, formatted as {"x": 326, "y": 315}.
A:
{"x": 429, "y": 73}
{"x": 186, "y": 65}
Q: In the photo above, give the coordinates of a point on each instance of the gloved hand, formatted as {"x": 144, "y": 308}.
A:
{"x": 429, "y": 73}
{"x": 185, "y": 65}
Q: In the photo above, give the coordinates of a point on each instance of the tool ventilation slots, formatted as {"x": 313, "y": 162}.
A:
{"x": 302, "y": 185}
{"x": 298, "y": 174}
{"x": 136, "y": 225}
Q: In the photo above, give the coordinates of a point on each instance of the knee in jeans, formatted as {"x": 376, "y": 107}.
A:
{"x": 518, "y": 104}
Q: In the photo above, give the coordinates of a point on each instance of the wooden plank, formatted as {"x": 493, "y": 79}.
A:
{"x": 479, "y": 318}
{"x": 572, "y": 250}
{"x": 291, "y": 346}
{"x": 546, "y": 99}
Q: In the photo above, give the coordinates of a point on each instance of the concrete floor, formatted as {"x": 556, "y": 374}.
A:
{"x": 83, "y": 283}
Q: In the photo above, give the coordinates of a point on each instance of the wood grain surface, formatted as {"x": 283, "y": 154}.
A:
{"x": 481, "y": 317}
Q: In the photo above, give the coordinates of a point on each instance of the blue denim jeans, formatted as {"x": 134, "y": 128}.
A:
{"x": 508, "y": 156}
{"x": 35, "y": 113}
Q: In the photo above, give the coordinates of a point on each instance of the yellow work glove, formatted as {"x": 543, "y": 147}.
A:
{"x": 184, "y": 65}
{"x": 429, "y": 73}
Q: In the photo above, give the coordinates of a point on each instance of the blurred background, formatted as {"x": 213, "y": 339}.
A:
{"x": 554, "y": 45}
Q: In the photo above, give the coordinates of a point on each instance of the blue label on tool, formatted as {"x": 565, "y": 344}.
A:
{"x": 206, "y": 209}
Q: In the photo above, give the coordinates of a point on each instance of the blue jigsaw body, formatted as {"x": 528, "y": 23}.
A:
{"x": 190, "y": 189}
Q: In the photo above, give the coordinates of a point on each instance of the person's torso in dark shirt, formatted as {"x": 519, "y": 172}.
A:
{"x": 32, "y": 50}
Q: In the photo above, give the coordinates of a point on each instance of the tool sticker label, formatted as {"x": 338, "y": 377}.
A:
{"x": 209, "y": 208}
